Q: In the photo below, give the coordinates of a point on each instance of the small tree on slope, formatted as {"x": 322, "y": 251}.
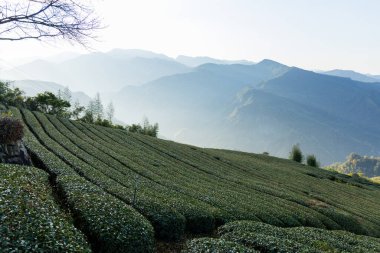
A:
{"x": 311, "y": 160}
{"x": 296, "y": 154}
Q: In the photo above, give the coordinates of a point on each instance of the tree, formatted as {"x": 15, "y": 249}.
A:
{"x": 296, "y": 154}
{"x": 77, "y": 110}
{"x": 72, "y": 20}
{"x": 110, "y": 111}
{"x": 146, "y": 128}
{"x": 49, "y": 103}
{"x": 97, "y": 107}
{"x": 9, "y": 96}
{"x": 135, "y": 128}
{"x": 65, "y": 94}
{"x": 311, "y": 160}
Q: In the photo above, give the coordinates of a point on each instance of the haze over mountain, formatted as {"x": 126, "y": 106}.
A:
{"x": 197, "y": 61}
{"x": 353, "y": 75}
{"x": 99, "y": 72}
{"x": 259, "y": 107}
{"x": 327, "y": 116}
{"x": 262, "y": 107}
{"x": 106, "y": 72}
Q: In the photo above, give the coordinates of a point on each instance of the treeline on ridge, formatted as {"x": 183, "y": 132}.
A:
{"x": 61, "y": 105}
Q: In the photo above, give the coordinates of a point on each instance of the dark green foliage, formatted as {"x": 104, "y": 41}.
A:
{"x": 146, "y": 128}
{"x": 119, "y": 127}
{"x": 103, "y": 122}
{"x": 345, "y": 220}
{"x": 30, "y": 219}
{"x": 2, "y": 108}
{"x": 11, "y": 130}
{"x": 207, "y": 245}
{"x": 9, "y": 96}
{"x": 311, "y": 160}
{"x": 88, "y": 117}
{"x": 267, "y": 238}
{"x": 296, "y": 154}
{"x": 49, "y": 103}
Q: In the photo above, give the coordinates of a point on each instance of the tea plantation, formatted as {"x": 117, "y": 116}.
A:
{"x": 250, "y": 236}
{"x": 127, "y": 191}
{"x": 30, "y": 220}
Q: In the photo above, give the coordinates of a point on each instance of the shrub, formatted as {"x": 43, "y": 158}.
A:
{"x": 311, "y": 160}
{"x": 11, "y": 130}
{"x": 296, "y": 154}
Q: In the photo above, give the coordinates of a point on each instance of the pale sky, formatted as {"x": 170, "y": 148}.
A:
{"x": 312, "y": 34}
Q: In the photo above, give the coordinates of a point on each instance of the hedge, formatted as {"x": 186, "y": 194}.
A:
{"x": 208, "y": 245}
{"x": 110, "y": 224}
{"x": 30, "y": 219}
{"x": 268, "y": 238}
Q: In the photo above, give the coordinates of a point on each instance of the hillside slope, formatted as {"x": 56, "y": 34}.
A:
{"x": 178, "y": 188}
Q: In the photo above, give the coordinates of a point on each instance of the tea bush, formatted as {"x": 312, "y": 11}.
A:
{"x": 30, "y": 220}
{"x": 178, "y": 188}
{"x": 206, "y": 245}
{"x": 110, "y": 224}
{"x": 268, "y": 238}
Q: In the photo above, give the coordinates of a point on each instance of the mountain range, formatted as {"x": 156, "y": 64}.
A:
{"x": 353, "y": 75}
{"x": 240, "y": 105}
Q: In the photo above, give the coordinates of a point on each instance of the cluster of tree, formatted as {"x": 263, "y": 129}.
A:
{"x": 145, "y": 128}
{"x": 60, "y": 104}
{"x": 46, "y": 102}
{"x": 297, "y": 156}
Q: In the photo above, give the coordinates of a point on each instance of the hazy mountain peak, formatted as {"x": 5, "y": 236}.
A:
{"x": 197, "y": 61}
{"x": 268, "y": 62}
{"x": 135, "y": 53}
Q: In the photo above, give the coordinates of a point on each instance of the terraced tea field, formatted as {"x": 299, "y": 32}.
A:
{"x": 126, "y": 190}
{"x": 248, "y": 236}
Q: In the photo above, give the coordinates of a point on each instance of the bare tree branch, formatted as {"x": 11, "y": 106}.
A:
{"x": 72, "y": 20}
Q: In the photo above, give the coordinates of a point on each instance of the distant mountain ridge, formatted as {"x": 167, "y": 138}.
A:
{"x": 200, "y": 60}
{"x": 353, "y": 75}
{"x": 262, "y": 107}
{"x": 99, "y": 72}
{"x": 266, "y": 106}
{"x": 106, "y": 72}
